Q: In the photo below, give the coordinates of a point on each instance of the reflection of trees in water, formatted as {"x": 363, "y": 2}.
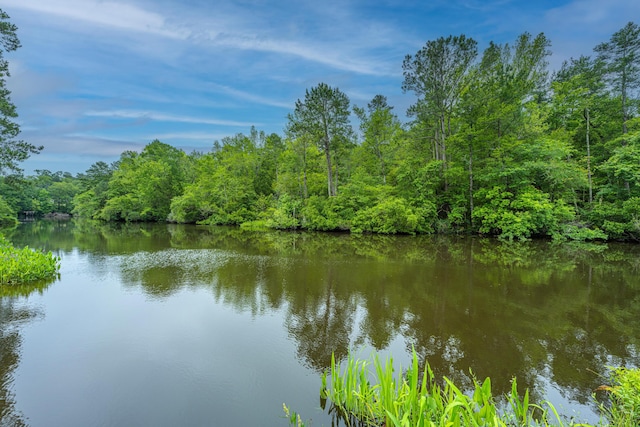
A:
{"x": 11, "y": 318}
{"x": 321, "y": 317}
{"x": 503, "y": 310}
{"x": 600, "y": 328}
{"x": 48, "y": 235}
{"x": 530, "y": 315}
{"x": 500, "y": 310}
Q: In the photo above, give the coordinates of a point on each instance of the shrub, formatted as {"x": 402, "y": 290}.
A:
{"x": 624, "y": 407}
{"x": 25, "y": 265}
{"x": 519, "y": 216}
{"x": 7, "y": 214}
{"x": 285, "y": 215}
{"x": 620, "y": 220}
{"x": 321, "y": 214}
{"x": 392, "y": 215}
{"x": 579, "y": 233}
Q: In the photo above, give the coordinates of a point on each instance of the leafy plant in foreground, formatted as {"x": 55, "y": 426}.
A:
{"x": 25, "y": 265}
{"x": 624, "y": 409}
{"x": 414, "y": 398}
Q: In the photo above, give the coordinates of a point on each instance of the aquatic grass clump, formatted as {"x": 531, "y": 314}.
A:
{"x": 415, "y": 399}
{"x": 624, "y": 406}
{"x": 294, "y": 418}
{"x": 25, "y": 265}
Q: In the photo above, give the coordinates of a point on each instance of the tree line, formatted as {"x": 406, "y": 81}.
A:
{"x": 495, "y": 145}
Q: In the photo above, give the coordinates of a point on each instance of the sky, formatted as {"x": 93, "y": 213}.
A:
{"x": 94, "y": 78}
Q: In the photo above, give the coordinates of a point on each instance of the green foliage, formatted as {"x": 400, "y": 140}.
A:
{"x": 624, "y": 408}
{"x": 323, "y": 118}
{"x": 381, "y": 130}
{"x": 414, "y": 398}
{"x": 294, "y": 418}
{"x": 579, "y": 233}
{"x": 621, "y": 55}
{"x": 622, "y": 168}
{"x": 323, "y": 214}
{"x": 437, "y": 74}
{"x": 393, "y": 215}
{"x": 25, "y": 265}
{"x": 94, "y": 184}
{"x": 620, "y": 220}
{"x": 269, "y": 152}
{"x": 87, "y": 204}
{"x": 286, "y": 214}
{"x": 44, "y": 193}
{"x": 143, "y": 185}
{"x": 223, "y": 190}
{"x": 8, "y": 216}
{"x": 519, "y": 216}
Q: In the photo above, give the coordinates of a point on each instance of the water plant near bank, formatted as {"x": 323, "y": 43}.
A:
{"x": 414, "y": 398}
{"x": 25, "y": 265}
{"x": 624, "y": 398}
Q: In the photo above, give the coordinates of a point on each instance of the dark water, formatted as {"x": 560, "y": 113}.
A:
{"x": 165, "y": 325}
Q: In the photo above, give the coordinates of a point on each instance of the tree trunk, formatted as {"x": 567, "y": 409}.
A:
{"x": 470, "y": 184}
{"x": 589, "y": 158}
{"x": 444, "y": 150}
{"x": 329, "y": 171}
{"x": 305, "y": 192}
{"x": 624, "y": 107}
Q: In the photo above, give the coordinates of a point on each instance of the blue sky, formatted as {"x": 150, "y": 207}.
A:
{"x": 96, "y": 77}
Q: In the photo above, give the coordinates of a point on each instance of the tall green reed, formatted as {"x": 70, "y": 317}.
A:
{"x": 413, "y": 398}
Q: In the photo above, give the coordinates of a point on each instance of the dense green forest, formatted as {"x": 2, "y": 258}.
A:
{"x": 495, "y": 144}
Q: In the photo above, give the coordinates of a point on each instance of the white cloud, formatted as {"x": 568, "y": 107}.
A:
{"x": 81, "y": 145}
{"x": 247, "y": 96}
{"x": 161, "y": 117}
{"x": 577, "y": 27}
{"x": 106, "y": 13}
{"x": 330, "y": 55}
{"x": 594, "y": 15}
{"x": 230, "y": 31}
{"x": 195, "y": 136}
{"x": 26, "y": 84}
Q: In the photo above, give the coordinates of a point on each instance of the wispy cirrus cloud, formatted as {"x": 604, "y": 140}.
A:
{"x": 162, "y": 117}
{"x": 578, "y": 26}
{"x": 325, "y": 54}
{"x": 593, "y": 15}
{"x": 188, "y": 136}
{"x": 120, "y": 15}
{"x": 225, "y": 31}
{"x": 249, "y": 96}
{"x": 83, "y": 145}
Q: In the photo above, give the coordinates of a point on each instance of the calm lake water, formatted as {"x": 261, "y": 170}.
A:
{"x": 168, "y": 325}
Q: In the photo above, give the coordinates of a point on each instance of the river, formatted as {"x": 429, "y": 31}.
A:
{"x": 182, "y": 325}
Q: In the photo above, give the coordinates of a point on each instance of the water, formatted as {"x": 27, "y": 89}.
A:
{"x": 170, "y": 325}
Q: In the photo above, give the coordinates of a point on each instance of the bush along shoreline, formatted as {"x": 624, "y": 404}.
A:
{"x": 19, "y": 266}
{"x": 369, "y": 393}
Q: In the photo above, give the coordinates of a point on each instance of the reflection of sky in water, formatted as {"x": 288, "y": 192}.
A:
{"x": 106, "y": 357}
